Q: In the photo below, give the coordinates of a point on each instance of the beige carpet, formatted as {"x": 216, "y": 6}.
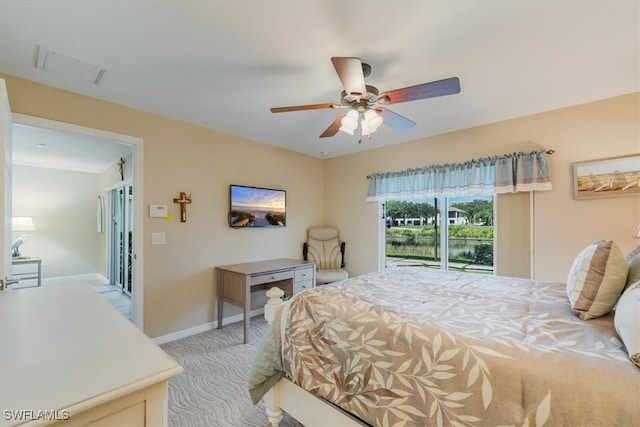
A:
{"x": 212, "y": 390}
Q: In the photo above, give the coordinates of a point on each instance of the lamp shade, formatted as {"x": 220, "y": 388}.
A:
{"x": 373, "y": 119}
{"x": 350, "y": 121}
{"x": 22, "y": 223}
{"x": 369, "y": 122}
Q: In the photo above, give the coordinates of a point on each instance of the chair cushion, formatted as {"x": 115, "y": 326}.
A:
{"x": 326, "y": 253}
{"x": 332, "y": 275}
{"x": 596, "y": 279}
{"x": 322, "y": 233}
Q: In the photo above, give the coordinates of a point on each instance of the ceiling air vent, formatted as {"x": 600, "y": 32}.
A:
{"x": 66, "y": 66}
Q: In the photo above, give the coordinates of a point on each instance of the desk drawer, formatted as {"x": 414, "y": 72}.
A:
{"x": 300, "y": 286}
{"x": 304, "y": 273}
{"x": 271, "y": 277}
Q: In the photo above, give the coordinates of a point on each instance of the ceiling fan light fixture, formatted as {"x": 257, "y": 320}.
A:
{"x": 350, "y": 121}
{"x": 365, "y": 130}
{"x": 345, "y": 130}
{"x": 372, "y": 120}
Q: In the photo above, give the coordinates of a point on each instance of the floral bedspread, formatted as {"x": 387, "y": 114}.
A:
{"x": 420, "y": 347}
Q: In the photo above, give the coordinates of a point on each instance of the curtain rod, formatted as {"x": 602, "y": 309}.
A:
{"x": 549, "y": 151}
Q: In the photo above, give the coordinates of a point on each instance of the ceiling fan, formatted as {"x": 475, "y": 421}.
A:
{"x": 366, "y": 104}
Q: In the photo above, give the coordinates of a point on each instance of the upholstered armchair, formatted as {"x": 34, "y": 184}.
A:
{"x": 323, "y": 246}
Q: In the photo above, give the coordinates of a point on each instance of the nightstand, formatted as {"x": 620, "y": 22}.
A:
{"x": 30, "y": 274}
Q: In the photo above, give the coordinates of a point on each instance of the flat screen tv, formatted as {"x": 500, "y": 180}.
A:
{"x": 257, "y": 207}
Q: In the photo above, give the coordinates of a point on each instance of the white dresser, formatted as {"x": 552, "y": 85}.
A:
{"x": 68, "y": 357}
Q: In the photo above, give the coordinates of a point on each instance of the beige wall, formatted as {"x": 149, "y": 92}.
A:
{"x": 63, "y": 207}
{"x": 179, "y": 287}
{"x": 512, "y": 234}
{"x": 562, "y": 225}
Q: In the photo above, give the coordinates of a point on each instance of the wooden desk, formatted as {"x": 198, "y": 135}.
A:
{"x": 21, "y": 275}
{"x": 237, "y": 281}
{"x": 66, "y": 351}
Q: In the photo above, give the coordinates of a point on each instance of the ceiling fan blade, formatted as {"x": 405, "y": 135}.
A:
{"x": 395, "y": 120}
{"x": 350, "y": 74}
{"x": 333, "y": 127}
{"x": 301, "y": 108}
{"x": 426, "y": 90}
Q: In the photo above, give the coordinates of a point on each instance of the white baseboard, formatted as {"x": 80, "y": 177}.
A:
{"x": 203, "y": 328}
{"x": 61, "y": 280}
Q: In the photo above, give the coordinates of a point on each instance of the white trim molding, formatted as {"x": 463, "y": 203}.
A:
{"x": 204, "y": 328}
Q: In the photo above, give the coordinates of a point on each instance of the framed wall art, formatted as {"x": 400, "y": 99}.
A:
{"x": 612, "y": 177}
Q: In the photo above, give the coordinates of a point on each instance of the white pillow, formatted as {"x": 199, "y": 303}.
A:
{"x": 596, "y": 279}
{"x": 627, "y": 321}
{"x": 633, "y": 262}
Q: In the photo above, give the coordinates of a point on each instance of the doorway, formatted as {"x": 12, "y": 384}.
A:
{"x": 133, "y": 260}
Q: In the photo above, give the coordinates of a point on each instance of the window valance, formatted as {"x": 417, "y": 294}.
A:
{"x": 510, "y": 173}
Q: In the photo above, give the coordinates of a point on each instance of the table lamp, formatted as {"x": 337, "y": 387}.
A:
{"x": 18, "y": 224}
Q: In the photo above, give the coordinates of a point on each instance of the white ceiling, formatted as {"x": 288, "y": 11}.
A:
{"x": 49, "y": 148}
{"x": 223, "y": 64}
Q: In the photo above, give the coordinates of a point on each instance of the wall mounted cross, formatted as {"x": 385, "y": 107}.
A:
{"x": 121, "y": 168}
{"x": 184, "y": 200}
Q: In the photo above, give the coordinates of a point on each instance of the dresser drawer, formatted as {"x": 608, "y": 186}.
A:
{"x": 271, "y": 277}
{"x": 303, "y": 285}
{"x": 304, "y": 274}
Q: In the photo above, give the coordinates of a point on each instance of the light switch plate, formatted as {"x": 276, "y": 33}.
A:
{"x": 158, "y": 238}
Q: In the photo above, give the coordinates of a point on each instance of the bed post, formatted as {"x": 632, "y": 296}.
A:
{"x": 272, "y": 402}
{"x": 274, "y": 305}
{"x": 272, "y": 398}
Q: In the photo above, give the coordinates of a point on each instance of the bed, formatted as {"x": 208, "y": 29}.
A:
{"x": 419, "y": 347}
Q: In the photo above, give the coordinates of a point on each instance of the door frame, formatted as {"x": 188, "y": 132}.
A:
{"x": 6, "y": 163}
{"x": 111, "y": 245}
{"x": 137, "y": 145}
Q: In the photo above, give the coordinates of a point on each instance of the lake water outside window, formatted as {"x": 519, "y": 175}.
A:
{"x": 417, "y": 234}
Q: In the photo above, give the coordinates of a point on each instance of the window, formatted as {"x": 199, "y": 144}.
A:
{"x": 417, "y": 234}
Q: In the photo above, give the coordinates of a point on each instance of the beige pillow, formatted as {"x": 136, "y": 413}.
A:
{"x": 596, "y": 279}
{"x": 633, "y": 263}
{"x": 627, "y": 321}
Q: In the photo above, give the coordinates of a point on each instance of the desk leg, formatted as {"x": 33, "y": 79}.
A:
{"x": 39, "y": 273}
{"x": 220, "y": 298}
{"x": 247, "y": 308}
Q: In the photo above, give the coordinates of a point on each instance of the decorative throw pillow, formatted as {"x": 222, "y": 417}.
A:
{"x": 627, "y": 321}
{"x": 633, "y": 263}
{"x": 596, "y": 279}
